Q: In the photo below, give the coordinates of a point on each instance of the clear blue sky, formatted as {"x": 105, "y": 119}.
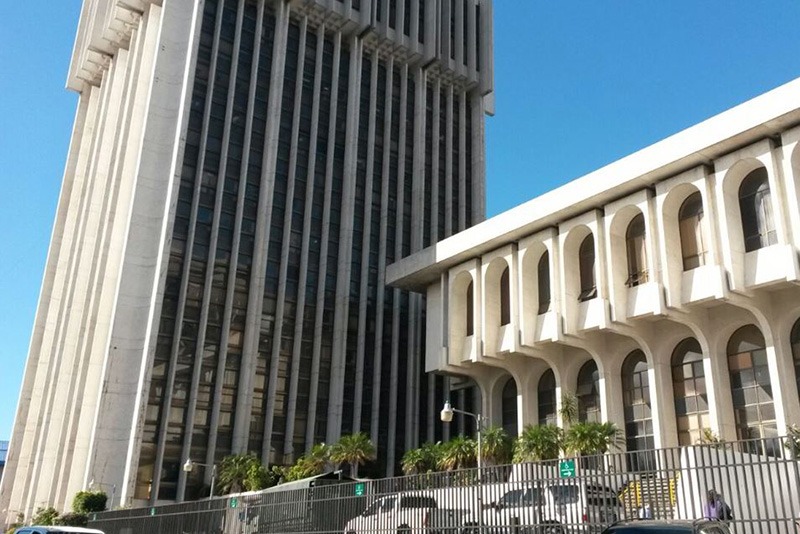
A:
{"x": 579, "y": 84}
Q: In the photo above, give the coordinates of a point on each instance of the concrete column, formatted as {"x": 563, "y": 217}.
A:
{"x": 611, "y": 397}
{"x": 784, "y": 383}
{"x": 665, "y": 429}
{"x": 718, "y": 384}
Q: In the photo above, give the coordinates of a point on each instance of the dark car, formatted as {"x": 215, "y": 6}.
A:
{"x": 667, "y": 526}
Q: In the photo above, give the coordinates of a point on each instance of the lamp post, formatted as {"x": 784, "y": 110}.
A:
{"x": 447, "y": 416}
{"x": 189, "y": 466}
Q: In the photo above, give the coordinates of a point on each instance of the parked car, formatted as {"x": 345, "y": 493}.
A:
{"x": 57, "y": 530}
{"x": 549, "y": 509}
{"x": 668, "y": 526}
{"x": 408, "y": 513}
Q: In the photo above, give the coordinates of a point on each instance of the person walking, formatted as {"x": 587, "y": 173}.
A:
{"x": 713, "y": 506}
{"x": 716, "y": 508}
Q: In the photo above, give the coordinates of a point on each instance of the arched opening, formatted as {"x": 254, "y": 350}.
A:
{"x": 755, "y": 207}
{"x": 795, "y": 341}
{"x": 546, "y": 395}
{"x": 470, "y": 310}
{"x": 510, "y": 407}
{"x": 751, "y": 387}
{"x": 637, "y": 410}
{"x": 586, "y": 260}
{"x": 505, "y": 297}
{"x": 689, "y": 391}
{"x": 693, "y": 244}
{"x": 543, "y": 279}
{"x": 636, "y": 248}
{"x": 588, "y": 393}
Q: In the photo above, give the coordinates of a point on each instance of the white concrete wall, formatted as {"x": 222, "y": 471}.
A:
{"x": 708, "y": 303}
{"x": 77, "y": 417}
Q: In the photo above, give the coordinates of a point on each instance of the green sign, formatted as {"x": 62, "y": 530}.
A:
{"x": 360, "y": 488}
{"x": 566, "y": 468}
{"x": 153, "y": 511}
{"x": 234, "y": 502}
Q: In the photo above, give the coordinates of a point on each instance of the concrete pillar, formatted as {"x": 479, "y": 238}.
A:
{"x": 784, "y": 383}
{"x": 662, "y": 402}
{"x": 611, "y": 396}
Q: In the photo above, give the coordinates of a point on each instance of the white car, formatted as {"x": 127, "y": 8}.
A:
{"x": 411, "y": 513}
{"x": 553, "y": 508}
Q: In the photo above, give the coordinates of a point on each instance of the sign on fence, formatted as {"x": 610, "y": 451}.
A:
{"x": 566, "y": 468}
{"x": 234, "y": 502}
{"x": 360, "y": 488}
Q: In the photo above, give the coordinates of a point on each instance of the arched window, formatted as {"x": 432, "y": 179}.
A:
{"x": 795, "y": 340}
{"x": 637, "y": 412}
{"x": 637, "y": 252}
{"x": 547, "y": 398}
{"x": 755, "y": 207}
{"x": 586, "y": 267}
{"x": 505, "y": 298}
{"x": 470, "y": 318}
{"x": 588, "y": 393}
{"x": 689, "y": 391}
{"x": 510, "y": 407}
{"x": 751, "y": 387}
{"x": 543, "y": 278}
{"x": 693, "y": 245}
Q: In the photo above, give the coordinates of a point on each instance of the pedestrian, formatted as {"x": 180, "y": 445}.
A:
{"x": 716, "y": 508}
{"x": 646, "y": 512}
{"x": 712, "y": 508}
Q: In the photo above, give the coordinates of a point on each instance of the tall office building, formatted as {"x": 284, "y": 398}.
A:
{"x": 240, "y": 174}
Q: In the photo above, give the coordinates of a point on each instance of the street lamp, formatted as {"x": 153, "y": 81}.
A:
{"x": 447, "y": 415}
{"x": 189, "y": 466}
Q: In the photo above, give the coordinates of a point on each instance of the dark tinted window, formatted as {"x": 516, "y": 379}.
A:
{"x": 417, "y": 502}
{"x": 565, "y": 494}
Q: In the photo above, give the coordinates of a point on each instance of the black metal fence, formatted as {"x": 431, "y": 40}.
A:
{"x": 758, "y": 481}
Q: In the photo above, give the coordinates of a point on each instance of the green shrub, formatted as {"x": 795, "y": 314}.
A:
{"x": 87, "y": 502}
{"x": 45, "y": 516}
{"x": 73, "y": 520}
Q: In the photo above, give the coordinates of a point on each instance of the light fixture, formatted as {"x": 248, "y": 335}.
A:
{"x": 447, "y": 412}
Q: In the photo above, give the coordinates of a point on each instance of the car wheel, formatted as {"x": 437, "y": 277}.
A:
{"x": 470, "y": 529}
{"x": 403, "y": 529}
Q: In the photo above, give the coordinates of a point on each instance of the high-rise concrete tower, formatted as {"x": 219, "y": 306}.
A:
{"x": 240, "y": 174}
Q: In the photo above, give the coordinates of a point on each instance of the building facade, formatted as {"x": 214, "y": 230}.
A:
{"x": 240, "y": 174}
{"x": 661, "y": 292}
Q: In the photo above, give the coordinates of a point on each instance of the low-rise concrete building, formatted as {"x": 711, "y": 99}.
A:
{"x": 661, "y": 290}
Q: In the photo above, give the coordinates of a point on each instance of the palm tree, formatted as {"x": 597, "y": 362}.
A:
{"x": 319, "y": 458}
{"x": 354, "y": 449}
{"x": 496, "y": 446}
{"x": 538, "y": 442}
{"x": 414, "y": 462}
{"x": 316, "y": 462}
{"x": 458, "y": 453}
{"x": 593, "y": 438}
{"x": 241, "y": 472}
{"x": 426, "y": 459}
{"x": 569, "y": 407}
